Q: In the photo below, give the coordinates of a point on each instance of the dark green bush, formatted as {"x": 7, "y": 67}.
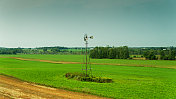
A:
{"x": 84, "y": 77}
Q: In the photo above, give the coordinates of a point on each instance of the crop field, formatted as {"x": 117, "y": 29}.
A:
{"x": 80, "y": 58}
{"x": 132, "y": 78}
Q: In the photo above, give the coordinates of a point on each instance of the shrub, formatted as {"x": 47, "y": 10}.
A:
{"x": 84, "y": 77}
{"x": 130, "y": 58}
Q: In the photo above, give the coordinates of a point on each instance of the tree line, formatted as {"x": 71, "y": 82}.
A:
{"x": 110, "y": 52}
{"x": 43, "y": 50}
{"x": 163, "y": 55}
{"x": 10, "y": 50}
{"x": 124, "y": 52}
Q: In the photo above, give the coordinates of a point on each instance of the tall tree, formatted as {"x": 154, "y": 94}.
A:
{"x": 171, "y": 55}
{"x": 162, "y": 55}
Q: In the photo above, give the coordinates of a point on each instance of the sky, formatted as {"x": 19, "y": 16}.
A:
{"x": 133, "y": 23}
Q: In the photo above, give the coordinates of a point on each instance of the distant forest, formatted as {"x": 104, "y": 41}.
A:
{"x": 124, "y": 52}
{"x": 43, "y": 50}
{"x": 149, "y": 53}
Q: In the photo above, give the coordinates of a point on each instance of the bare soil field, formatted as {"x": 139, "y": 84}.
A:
{"x": 13, "y": 88}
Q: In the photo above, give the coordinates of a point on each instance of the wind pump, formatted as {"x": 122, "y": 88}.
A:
{"x": 86, "y": 67}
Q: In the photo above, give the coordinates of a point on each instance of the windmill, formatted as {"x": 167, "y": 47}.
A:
{"x": 86, "y": 65}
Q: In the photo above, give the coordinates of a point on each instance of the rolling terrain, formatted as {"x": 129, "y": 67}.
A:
{"x": 132, "y": 78}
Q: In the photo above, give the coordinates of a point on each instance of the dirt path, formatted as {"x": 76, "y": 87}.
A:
{"x": 3, "y": 97}
{"x": 14, "y": 88}
{"x": 59, "y": 62}
{"x": 49, "y": 61}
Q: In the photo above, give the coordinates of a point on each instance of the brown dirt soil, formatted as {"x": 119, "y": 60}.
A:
{"x": 3, "y": 97}
{"x": 13, "y": 88}
{"x": 139, "y": 58}
{"x": 25, "y": 59}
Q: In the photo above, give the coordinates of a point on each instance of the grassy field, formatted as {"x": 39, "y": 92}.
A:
{"x": 129, "y": 81}
{"x": 79, "y": 58}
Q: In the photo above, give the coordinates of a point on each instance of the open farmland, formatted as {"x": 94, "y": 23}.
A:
{"x": 121, "y": 62}
{"x": 87, "y": 49}
{"x": 130, "y": 81}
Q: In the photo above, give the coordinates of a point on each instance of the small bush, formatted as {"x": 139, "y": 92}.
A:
{"x": 130, "y": 58}
{"x": 84, "y": 77}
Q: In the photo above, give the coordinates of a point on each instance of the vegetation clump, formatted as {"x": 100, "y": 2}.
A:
{"x": 89, "y": 78}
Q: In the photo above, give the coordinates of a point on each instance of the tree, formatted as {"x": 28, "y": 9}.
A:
{"x": 171, "y": 55}
{"x": 55, "y": 50}
{"x": 45, "y": 49}
{"x": 126, "y": 52}
{"x": 111, "y": 53}
{"x": 162, "y": 55}
{"x": 150, "y": 55}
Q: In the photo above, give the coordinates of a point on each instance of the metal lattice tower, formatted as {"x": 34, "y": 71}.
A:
{"x": 86, "y": 67}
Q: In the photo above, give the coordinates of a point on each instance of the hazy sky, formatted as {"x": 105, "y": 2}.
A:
{"x": 34, "y": 23}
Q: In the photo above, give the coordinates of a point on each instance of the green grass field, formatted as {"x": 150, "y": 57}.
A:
{"x": 129, "y": 81}
{"x": 79, "y": 58}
